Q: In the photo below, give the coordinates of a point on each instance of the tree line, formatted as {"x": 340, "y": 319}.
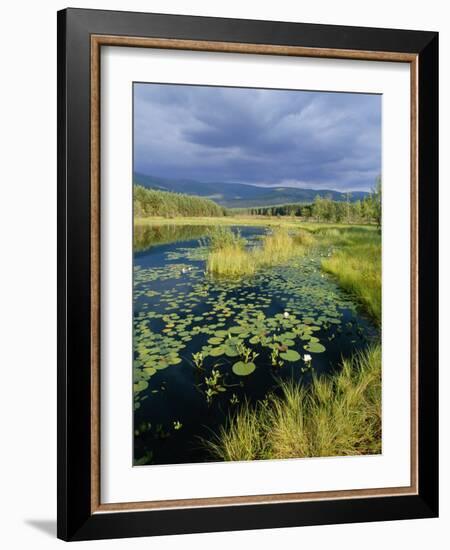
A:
{"x": 324, "y": 209}
{"x": 152, "y": 202}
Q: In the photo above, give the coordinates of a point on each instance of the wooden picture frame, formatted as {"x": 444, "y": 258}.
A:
{"x": 81, "y": 35}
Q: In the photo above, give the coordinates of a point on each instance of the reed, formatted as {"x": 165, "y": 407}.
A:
{"x": 229, "y": 257}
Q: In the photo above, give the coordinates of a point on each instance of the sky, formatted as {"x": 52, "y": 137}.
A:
{"x": 319, "y": 140}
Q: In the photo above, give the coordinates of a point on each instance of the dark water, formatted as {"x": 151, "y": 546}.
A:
{"x": 179, "y": 311}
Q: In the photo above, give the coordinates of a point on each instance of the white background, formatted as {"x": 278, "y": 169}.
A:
{"x": 28, "y": 279}
{"x": 119, "y": 481}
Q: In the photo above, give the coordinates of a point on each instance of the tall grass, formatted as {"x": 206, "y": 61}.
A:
{"x": 222, "y": 237}
{"x": 230, "y": 261}
{"x": 335, "y": 416}
{"x": 277, "y": 248}
{"x": 357, "y": 265}
{"x": 229, "y": 257}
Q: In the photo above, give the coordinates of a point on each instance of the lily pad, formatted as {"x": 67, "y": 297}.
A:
{"x": 243, "y": 369}
{"x": 315, "y": 347}
{"x": 231, "y": 351}
{"x": 141, "y": 386}
{"x": 290, "y": 355}
{"x": 215, "y": 340}
{"x": 288, "y": 343}
{"x": 163, "y": 364}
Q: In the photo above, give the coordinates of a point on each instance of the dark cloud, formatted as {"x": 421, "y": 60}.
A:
{"x": 269, "y": 137}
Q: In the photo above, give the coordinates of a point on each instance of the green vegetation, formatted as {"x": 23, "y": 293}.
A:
{"x": 325, "y": 209}
{"x": 222, "y": 326}
{"x": 151, "y": 202}
{"x": 335, "y": 416}
{"x": 354, "y": 256}
{"x": 229, "y": 257}
{"x": 356, "y": 263}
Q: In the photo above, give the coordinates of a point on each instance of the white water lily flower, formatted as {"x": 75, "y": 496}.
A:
{"x": 307, "y": 358}
{"x": 286, "y": 314}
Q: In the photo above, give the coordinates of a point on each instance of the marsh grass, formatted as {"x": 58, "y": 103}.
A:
{"x": 304, "y": 238}
{"x": 357, "y": 265}
{"x": 336, "y": 415}
{"x": 277, "y": 247}
{"x": 229, "y": 257}
{"x": 222, "y": 237}
{"x": 230, "y": 261}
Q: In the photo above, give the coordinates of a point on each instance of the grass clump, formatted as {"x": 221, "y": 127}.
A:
{"x": 304, "y": 238}
{"x": 357, "y": 266}
{"x": 337, "y": 415}
{"x": 229, "y": 256}
{"x": 230, "y": 261}
{"x": 277, "y": 248}
{"x": 223, "y": 237}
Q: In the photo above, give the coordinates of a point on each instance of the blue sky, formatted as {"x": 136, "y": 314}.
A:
{"x": 258, "y": 136}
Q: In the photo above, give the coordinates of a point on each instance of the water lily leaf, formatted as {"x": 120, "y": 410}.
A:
{"x": 243, "y": 369}
{"x": 215, "y": 340}
{"x": 215, "y": 352}
{"x": 288, "y": 343}
{"x": 237, "y": 330}
{"x": 231, "y": 351}
{"x": 315, "y": 347}
{"x": 290, "y": 355}
{"x": 140, "y": 386}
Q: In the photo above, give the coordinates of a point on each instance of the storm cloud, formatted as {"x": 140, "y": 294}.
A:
{"x": 264, "y": 137}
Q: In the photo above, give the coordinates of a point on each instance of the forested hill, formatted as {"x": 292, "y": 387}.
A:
{"x": 152, "y": 202}
{"x": 240, "y": 195}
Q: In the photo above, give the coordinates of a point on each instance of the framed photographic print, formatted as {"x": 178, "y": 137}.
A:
{"x": 247, "y": 274}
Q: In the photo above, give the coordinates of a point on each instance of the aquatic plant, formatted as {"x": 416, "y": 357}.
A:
{"x": 234, "y": 399}
{"x": 335, "y": 416}
{"x": 214, "y": 384}
{"x": 274, "y": 356}
{"x": 198, "y": 358}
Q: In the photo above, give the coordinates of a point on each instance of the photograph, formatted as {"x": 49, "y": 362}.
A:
{"x": 257, "y": 246}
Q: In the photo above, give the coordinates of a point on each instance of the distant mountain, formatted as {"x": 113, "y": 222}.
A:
{"x": 236, "y": 195}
